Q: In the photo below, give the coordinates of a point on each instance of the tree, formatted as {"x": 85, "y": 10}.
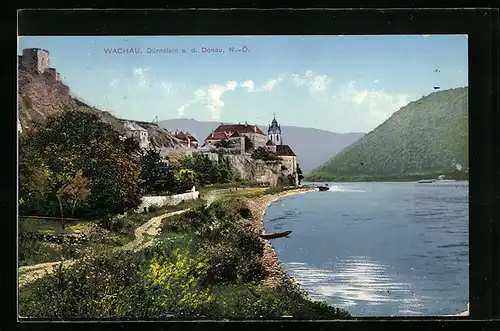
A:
{"x": 185, "y": 180}
{"x": 263, "y": 154}
{"x": 77, "y": 157}
{"x": 299, "y": 173}
{"x": 248, "y": 144}
{"x": 157, "y": 175}
{"x": 226, "y": 143}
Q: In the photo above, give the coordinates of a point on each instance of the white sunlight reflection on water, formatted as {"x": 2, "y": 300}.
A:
{"x": 353, "y": 280}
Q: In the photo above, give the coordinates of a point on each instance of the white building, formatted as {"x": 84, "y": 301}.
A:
{"x": 138, "y": 132}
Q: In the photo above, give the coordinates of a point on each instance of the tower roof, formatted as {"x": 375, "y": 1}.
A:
{"x": 274, "y": 127}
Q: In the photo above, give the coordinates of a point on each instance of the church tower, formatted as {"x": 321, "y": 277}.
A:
{"x": 274, "y": 132}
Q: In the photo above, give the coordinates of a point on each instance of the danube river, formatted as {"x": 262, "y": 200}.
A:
{"x": 378, "y": 249}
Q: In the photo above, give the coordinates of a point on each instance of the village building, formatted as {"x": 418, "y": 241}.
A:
{"x": 188, "y": 139}
{"x": 137, "y": 132}
{"x": 236, "y": 133}
{"x": 273, "y": 142}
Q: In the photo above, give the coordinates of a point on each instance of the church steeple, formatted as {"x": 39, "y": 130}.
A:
{"x": 274, "y": 131}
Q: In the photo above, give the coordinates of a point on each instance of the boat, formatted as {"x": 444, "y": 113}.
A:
{"x": 422, "y": 181}
{"x": 275, "y": 235}
{"x": 323, "y": 188}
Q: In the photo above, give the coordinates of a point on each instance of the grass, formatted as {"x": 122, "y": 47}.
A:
{"x": 34, "y": 250}
{"x": 202, "y": 265}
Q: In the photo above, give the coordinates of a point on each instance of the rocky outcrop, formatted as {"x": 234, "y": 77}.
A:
{"x": 251, "y": 170}
{"x": 41, "y": 97}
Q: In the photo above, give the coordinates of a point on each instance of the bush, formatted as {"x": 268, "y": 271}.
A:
{"x": 263, "y": 154}
{"x": 190, "y": 221}
{"x": 170, "y": 288}
{"x": 34, "y": 251}
{"x": 242, "y": 301}
{"x": 224, "y": 144}
{"x": 91, "y": 288}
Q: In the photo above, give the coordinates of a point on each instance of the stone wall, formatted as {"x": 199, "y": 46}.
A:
{"x": 169, "y": 200}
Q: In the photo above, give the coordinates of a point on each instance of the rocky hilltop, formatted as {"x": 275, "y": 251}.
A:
{"x": 42, "y": 94}
{"x": 427, "y": 135}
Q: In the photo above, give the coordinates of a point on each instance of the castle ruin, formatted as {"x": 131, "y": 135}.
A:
{"x": 36, "y": 61}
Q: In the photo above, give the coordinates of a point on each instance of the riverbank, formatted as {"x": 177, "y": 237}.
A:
{"x": 258, "y": 206}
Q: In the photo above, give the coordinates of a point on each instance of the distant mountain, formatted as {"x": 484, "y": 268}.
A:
{"x": 430, "y": 134}
{"x": 312, "y": 146}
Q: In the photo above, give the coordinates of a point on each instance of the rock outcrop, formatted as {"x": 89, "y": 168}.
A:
{"x": 40, "y": 97}
{"x": 257, "y": 171}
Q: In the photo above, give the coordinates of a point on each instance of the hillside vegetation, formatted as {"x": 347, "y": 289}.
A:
{"x": 426, "y": 136}
{"x": 40, "y": 98}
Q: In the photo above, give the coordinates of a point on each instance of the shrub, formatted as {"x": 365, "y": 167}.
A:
{"x": 34, "y": 251}
{"x": 224, "y": 144}
{"x": 152, "y": 208}
{"x": 90, "y": 288}
{"x": 170, "y": 288}
{"x": 243, "y": 301}
{"x": 261, "y": 153}
{"x": 190, "y": 221}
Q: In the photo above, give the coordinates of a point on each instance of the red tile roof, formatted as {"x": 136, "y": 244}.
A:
{"x": 284, "y": 150}
{"x": 241, "y": 128}
{"x": 225, "y": 131}
{"x": 217, "y": 136}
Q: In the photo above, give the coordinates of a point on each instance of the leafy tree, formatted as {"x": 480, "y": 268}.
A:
{"x": 157, "y": 175}
{"x": 248, "y": 144}
{"x": 81, "y": 159}
{"x": 263, "y": 154}
{"x": 185, "y": 180}
{"x": 299, "y": 173}
{"x": 226, "y": 143}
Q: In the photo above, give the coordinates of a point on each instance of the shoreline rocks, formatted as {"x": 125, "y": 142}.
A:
{"x": 258, "y": 206}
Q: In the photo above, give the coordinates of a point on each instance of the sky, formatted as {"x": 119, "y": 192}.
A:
{"x": 336, "y": 83}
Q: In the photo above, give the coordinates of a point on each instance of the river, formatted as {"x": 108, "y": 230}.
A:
{"x": 378, "y": 249}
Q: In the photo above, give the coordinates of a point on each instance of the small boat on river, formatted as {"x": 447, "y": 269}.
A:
{"x": 423, "y": 181}
{"x": 323, "y": 188}
{"x": 275, "y": 235}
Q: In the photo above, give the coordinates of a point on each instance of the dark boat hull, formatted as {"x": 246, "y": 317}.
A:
{"x": 275, "y": 235}
{"x": 323, "y": 188}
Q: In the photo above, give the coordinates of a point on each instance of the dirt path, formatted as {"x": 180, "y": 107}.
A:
{"x": 28, "y": 274}
{"x": 150, "y": 228}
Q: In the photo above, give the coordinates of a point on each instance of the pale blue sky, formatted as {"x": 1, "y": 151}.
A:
{"x": 336, "y": 83}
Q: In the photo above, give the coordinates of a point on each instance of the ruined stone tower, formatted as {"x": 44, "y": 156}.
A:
{"x": 35, "y": 60}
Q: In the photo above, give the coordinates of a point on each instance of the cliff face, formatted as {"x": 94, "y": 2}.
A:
{"x": 40, "y": 97}
{"x": 257, "y": 171}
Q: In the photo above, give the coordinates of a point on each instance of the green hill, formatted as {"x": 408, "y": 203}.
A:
{"x": 426, "y": 137}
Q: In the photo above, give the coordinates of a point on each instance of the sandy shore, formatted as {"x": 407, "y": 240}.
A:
{"x": 258, "y": 207}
